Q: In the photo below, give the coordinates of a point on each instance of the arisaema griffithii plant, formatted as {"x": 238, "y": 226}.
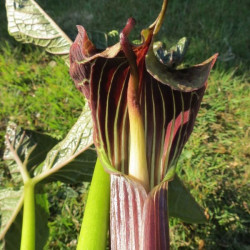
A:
{"x": 143, "y": 111}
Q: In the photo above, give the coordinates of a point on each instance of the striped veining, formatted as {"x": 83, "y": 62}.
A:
{"x": 169, "y": 101}
{"x": 115, "y": 146}
{"x": 155, "y": 220}
{"x": 160, "y": 169}
{"x": 160, "y": 105}
{"x": 126, "y": 217}
{"x": 138, "y": 218}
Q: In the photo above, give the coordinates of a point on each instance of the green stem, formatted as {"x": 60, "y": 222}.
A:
{"x": 93, "y": 235}
{"x": 28, "y": 227}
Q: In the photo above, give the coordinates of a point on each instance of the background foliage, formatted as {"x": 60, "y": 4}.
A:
{"x": 36, "y": 92}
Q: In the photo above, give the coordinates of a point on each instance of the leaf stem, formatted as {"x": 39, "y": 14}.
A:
{"x": 95, "y": 223}
{"x": 22, "y": 167}
{"x": 28, "y": 227}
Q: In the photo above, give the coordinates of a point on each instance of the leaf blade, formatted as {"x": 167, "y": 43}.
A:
{"x": 11, "y": 202}
{"x": 30, "y": 146}
{"x": 12, "y": 238}
{"x": 73, "y": 159}
{"x": 28, "y": 23}
{"x": 182, "y": 204}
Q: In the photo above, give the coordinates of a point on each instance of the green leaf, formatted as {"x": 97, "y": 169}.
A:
{"x": 14, "y": 137}
{"x": 184, "y": 80}
{"x": 103, "y": 40}
{"x": 31, "y": 147}
{"x": 11, "y": 202}
{"x": 174, "y": 56}
{"x": 73, "y": 159}
{"x": 78, "y": 170}
{"x": 42, "y": 216}
{"x": 28, "y": 23}
{"x": 12, "y": 238}
{"x": 182, "y": 204}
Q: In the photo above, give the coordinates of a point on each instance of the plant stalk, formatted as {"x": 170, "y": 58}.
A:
{"x": 95, "y": 224}
{"x": 28, "y": 227}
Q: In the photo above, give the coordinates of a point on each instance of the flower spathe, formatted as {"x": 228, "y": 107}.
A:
{"x": 167, "y": 101}
{"x": 168, "y": 108}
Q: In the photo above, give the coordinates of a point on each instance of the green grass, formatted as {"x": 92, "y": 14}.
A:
{"x": 37, "y": 92}
{"x": 214, "y": 165}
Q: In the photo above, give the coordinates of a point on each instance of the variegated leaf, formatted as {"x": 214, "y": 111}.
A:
{"x": 28, "y": 23}
{"x": 73, "y": 159}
